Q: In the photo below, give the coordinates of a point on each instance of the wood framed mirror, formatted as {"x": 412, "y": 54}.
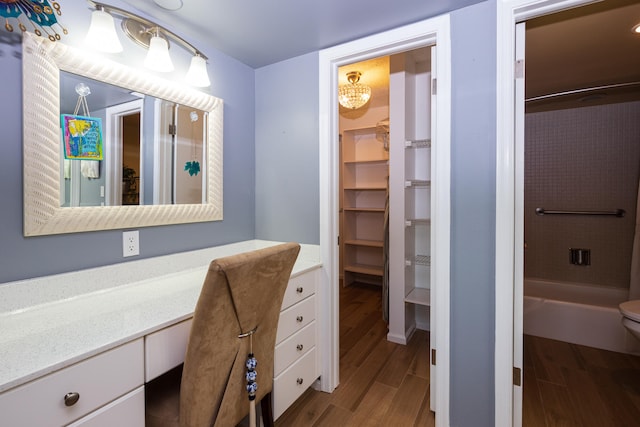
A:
{"x": 42, "y": 155}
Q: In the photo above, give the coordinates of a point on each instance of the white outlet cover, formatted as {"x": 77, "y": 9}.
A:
{"x": 130, "y": 243}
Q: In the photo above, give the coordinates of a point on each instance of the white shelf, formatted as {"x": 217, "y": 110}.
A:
{"x": 420, "y": 296}
{"x": 372, "y": 188}
{"x": 369, "y": 161}
{"x": 414, "y": 183}
{"x": 369, "y": 243}
{"x": 424, "y": 260}
{"x": 381, "y": 210}
{"x": 364, "y": 178}
{"x": 372, "y": 270}
{"x": 412, "y": 222}
{"x": 418, "y": 143}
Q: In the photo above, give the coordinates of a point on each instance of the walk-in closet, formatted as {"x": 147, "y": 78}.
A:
{"x": 385, "y": 187}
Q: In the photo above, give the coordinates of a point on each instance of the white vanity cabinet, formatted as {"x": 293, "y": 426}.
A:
{"x": 127, "y": 333}
{"x": 94, "y": 392}
{"x": 295, "y": 360}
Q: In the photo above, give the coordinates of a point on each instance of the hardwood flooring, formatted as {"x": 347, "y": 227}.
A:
{"x": 572, "y": 385}
{"x": 386, "y": 384}
{"x": 381, "y": 383}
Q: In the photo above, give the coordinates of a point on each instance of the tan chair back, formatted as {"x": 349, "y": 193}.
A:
{"x": 240, "y": 293}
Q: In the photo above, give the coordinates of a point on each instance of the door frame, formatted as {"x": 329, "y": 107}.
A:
{"x": 421, "y": 34}
{"x": 113, "y": 156}
{"x": 510, "y": 205}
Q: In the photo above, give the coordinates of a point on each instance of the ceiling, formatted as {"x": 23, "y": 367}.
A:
{"x": 260, "y": 33}
{"x": 582, "y": 48}
{"x": 571, "y": 50}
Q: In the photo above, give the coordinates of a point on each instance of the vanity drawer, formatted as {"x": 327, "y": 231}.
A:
{"x": 165, "y": 349}
{"x": 289, "y": 385}
{"x": 127, "y": 411}
{"x": 98, "y": 381}
{"x": 294, "y": 347}
{"x": 295, "y": 318}
{"x": 300, "y": 287}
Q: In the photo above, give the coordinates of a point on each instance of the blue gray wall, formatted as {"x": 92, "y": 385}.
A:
{"x": 282, "y": 178}
{"x": 22, "y": 257}
{"x": 473, "y": 200}
{"x": 287, "y": 187}
{"x": 260, "y": 180}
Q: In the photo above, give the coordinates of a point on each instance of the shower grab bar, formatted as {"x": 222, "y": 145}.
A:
{"x": 617, "y": 213}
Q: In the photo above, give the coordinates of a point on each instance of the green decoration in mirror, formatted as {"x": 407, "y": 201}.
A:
{"x": 192, "y": 167}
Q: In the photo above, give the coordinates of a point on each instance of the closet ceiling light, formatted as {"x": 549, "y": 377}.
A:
{"x": 147, "y": 34}
{"x": 354, "y": 95}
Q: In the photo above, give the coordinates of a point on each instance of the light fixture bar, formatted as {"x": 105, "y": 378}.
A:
{"x": 150, "y": 24}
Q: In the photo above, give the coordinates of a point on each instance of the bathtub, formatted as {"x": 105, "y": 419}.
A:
{"x": 576, "y": 313}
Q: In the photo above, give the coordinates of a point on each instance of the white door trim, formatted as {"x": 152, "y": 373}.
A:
{"x": 113, "y": 155}
{"x": 509, "y": 205}
{"x": 425, "y": 33}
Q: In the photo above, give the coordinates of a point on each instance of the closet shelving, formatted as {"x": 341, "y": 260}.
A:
{"x": 411, "y": 252}
{"x": 365, "y": 169}
{"x": 417, "y": 222}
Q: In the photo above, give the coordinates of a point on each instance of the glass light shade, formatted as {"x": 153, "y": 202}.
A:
{"x": 354, "y": 95}
{"x": 158, "y": 58}
{"x": 102, "y": 33}
{"x": 197, "y": 74}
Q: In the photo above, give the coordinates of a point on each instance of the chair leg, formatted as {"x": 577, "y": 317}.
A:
{"x": 267, "y": 411}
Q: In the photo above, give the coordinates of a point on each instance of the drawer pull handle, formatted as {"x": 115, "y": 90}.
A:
{"x": 299, "y": 289}
{"x": 299, "y": 347}
{"x": 71, "y": 399}
{"x": 299, "y": 319}
{"x": 299, "y": 381}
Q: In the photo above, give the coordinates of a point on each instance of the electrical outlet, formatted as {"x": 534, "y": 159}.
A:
{"x": 130, "y": 243}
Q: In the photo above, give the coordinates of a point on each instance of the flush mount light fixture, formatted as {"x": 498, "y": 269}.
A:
{"x": 354, "y": 95}
{"x": 169, "y": 4}
{"x": 154, "y": 37}
{"x": 636, "y": 28}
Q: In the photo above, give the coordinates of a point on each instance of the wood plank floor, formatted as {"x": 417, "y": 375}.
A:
{"x": 381, "y": 383}
{"x": 573, "y": 385}
{"x": 386, "y": 384}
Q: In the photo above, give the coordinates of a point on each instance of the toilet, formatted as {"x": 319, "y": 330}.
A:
{"x": 631, "y": 316}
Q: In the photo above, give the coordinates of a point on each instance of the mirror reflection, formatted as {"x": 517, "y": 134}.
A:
{"x": 154, "y": 150}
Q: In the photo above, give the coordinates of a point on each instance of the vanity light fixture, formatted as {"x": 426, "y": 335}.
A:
{"x": 147, "y": 34}
{"x": 158, "y": 58}
{"x": 102, "y": 32}
{"x": 197, "y": 73}
{"x": 354, "y": 95}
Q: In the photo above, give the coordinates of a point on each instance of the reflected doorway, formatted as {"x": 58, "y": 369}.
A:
{"x": 124, "y": 160}
{"x": 131, "y": 164}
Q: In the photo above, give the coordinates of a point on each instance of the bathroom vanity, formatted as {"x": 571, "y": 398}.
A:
{"x": 77, "y": 348}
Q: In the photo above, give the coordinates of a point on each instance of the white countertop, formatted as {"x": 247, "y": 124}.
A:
{"x": 51, "y": 322}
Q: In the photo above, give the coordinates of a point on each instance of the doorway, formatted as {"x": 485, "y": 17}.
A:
{"x": 427, "y": 33}
{"x": 580, "y": 167}
{"x": 510, "y": 202}
{"x": 379, "y": 253}
{"x": 123, "y": 157}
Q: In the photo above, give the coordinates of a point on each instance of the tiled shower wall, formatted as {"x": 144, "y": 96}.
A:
{"x": 581, "y": 159}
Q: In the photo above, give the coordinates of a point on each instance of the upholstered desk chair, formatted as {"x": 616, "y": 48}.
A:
{"x": 241, "y": 293}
